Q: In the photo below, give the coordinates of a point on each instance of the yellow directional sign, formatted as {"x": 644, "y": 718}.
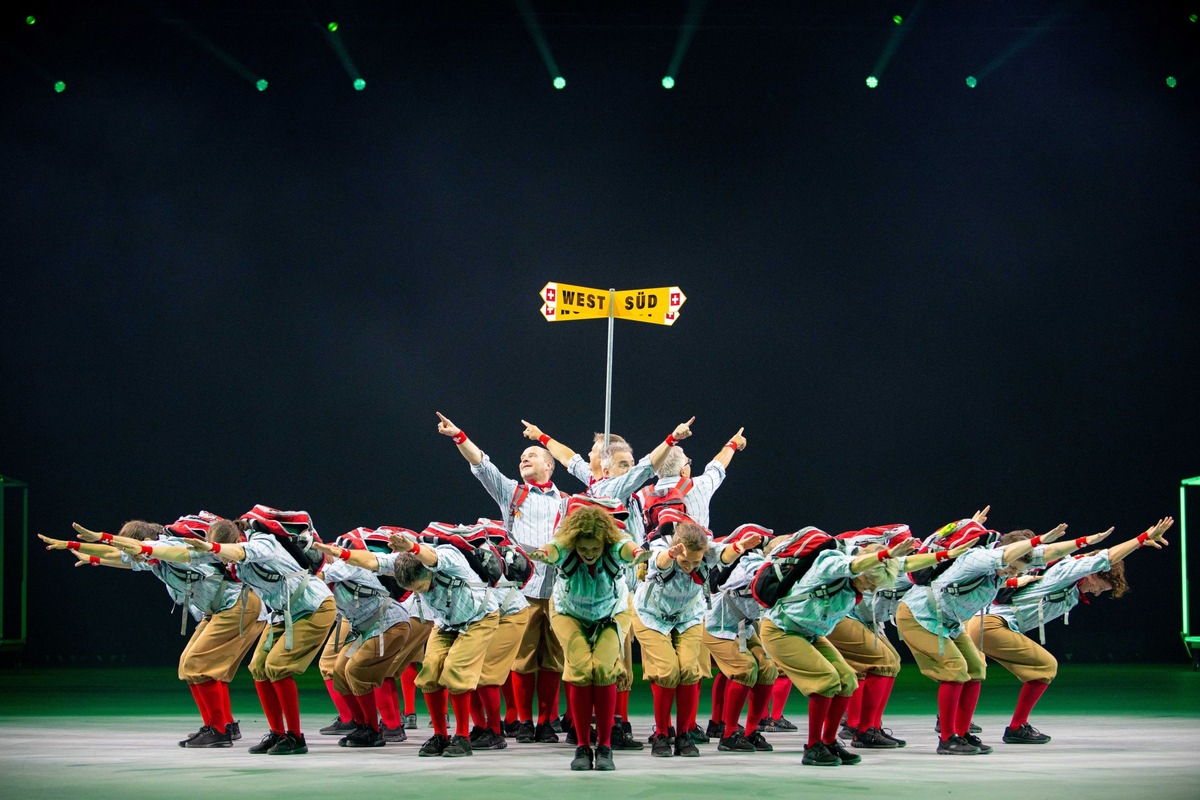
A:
{"x": 659, "y": 306}
{"x": 562, "y": 302}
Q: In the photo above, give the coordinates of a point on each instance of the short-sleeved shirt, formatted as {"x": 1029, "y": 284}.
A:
{"x": 592, "y": 592}
{"x": 699, "y": 497}
{"x": 1055, "y": 594}
{"x": 456, "y": 597}
{"x": 275, "y": 577}
{"x": 670, "y": 599}
{"x": 733, "y": 611}
{"x": 977, "y": 567}
{"x": 819, "y": 600}
{"x": 362, "y": 599}
{"x": 202, "y": 588}
{"x": 532, "y": 525}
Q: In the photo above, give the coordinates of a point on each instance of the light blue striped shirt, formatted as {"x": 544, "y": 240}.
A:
{"x": 362, "y": 599}
{"x": 670, "y": 599}
{"x": 1056, "y": 593}
{"x": 592, "y": 593}
{"x": 704, "y": 486}
{"x": 925, "y": 601}
{"x": 275, "y": 576}
{"x": 201, "y": 587}
{"x": 733, "y": 613}
{"x": 459, "y": 599}
{"x": 816, "y": 616}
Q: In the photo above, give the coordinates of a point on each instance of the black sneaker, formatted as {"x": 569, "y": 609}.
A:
{"x": 715, "y": 730}
{"x": 604, "y": 759}
{"x": 459, "y": 747}
{"x": 434, "y": 746}
{"x": 409, "y": 721}
{"x": 565, "y": 727}
{"x": 292, "y": 744}
{"x": 582, "y": 762}
{"x": 847, "y": 733}
{"x": 671, "y": 735}
{"x": 1024, "y": 734}
{"x": 366, "y": 736}
{"x": 956, "y": 746}
{"x": 735, "y": 743}
{"x": 190, "y": 736}
{"x": 660, "y": 747}
{"x": 510, "y": 728}
{"x": 339, "y": 728}
{"x": 269, "y": 740}
{"x": 887, "y": 734}
{"x": 784, "y": 725}
{"x": 975, "y": 741}
{"x": 819, "y": 756}
{"x": 545, "y": 734}
{"x": 234, "y": 730}
{"x": 767, "y": 725}
{"x": 395, "y": 734}
{"x": 873, "y": 739}
{"x": 937, "y": 726}
{"x": 761, "y": 745}
{"x": 210, "y": 738}
{"x": 489, "y": 740}
{"x": 525, "y": 733}
{"x": 684, "y": 746}
{"x": 476, "y": 733}
{"x": 697, "y": 736}
{"x": 622, "y": 738}
{"x": 559, "y": 724}
{"x": 842, "y": 753}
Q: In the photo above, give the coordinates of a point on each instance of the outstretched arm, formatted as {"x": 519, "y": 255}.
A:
{"x": 562, "y": 454}
{"x": 659, "y": 454}
{"x": 730, "y": 554}
{"x": 96, "y": 555}
{"x": 1020, "y": 549}
{"x": 1151, "y": 537}
{"x": 403, "y": 543}
{"x": 228, "y": 553}
{"x": 1056, "y": 551}
{"x": 355, "y": 558}
{"x": 867, "y": 560}
{"x": 469, "y": 451}
{"x": 737, "y": 442}
{"x": 917, "y": 561}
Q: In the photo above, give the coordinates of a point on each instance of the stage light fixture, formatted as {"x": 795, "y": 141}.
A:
{"x": 332, "y": 27}
{"x": 359, "y": 84}
{"x": 971, "y": 82}
{"x": 897, "y": 19}
{"x": 560, "y": 82}
{"x": 32, "y": 19}
{"x": 60, "y": 87}
{"x": 1171, "y": 81}
{"x": 261, "y": 84}
{"x": 668, "y": 82}
{"x": 872, "y": 81}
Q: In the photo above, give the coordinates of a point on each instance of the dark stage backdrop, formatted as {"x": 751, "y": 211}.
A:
{"x": 917, "y": 299}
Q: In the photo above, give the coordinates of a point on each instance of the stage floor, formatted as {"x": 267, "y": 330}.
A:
{"x": 1143, "y": 746}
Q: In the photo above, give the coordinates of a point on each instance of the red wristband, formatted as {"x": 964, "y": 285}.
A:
{"x": 732, "y": 446}
{"x": 1035, "y": 541}
{"x": 1012, "y": 583}
{"x": 544, "y": 440}
{"x": 942, "y": 555}
{"x": 147, "y": 550}
{"x": 1081, "y": 541}
{"x": 105, "y": 538}
{"x": 344, "y": 555}
{"x": 884, "y": 555}
{"x": 459, "y": 437}
{"x": 216, "y": 547}
{"x": 671, "y": 440}
{"x": 72, "y": 545}
{"x": 94, "y": 561}
{"x": 1142, "y": 538}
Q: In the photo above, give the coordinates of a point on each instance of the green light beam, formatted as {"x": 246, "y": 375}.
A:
{"x": 690, "y": 21}
{"x": 198, "y": 38}
{"x": 339, "y": 49}
{"x": 893, "y": 42}
{"x": 1044, "y": 26}
{"x": 539, "y": 39}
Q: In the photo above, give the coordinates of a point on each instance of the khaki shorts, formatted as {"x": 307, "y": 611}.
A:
{"x": 414, "y": 646}
{"x": 956, "y": 660}
{"x": 589, "y": 663}
{"x": 1016, "y": 652}
{"x": 750, "y": 667}
{"x": 540, "y": 648}
{"x": 814, "y": 667}
{"x": 329, "y": 653}
{"x": 863, "y": 650}
{"x": 454, "y": 661}
{"x": 308, "y": 633}
{"x": 625, "y": 620}
{"x": 671, "y": 659}
{"x": 365, "y": 669}
{"x": 498, "y": 662}
{"x": 220, "y": 642}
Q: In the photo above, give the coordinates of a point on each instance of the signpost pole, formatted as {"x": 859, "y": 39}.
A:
{"x": 608, "y": 375}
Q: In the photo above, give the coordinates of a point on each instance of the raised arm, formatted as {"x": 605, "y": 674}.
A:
{"x": 562, "y": 454}
{"x": 737, "y": 442}
{"x": 730, "y": 554}
{"x": 1151, "y": 537}
{"x": 469, "y": 451}
{"x": 1056, "y": 551}
{"x": 403, "y": 543}
{"x": 228, "y": 553}
{"x": 1022, "y": 548}
{"x": 659, "y": 454}
{"x": 867, "y": 560}
{"x": 916, "y": 561}
{"x": 355, "y": 558}
{"x": 96, "y": 555}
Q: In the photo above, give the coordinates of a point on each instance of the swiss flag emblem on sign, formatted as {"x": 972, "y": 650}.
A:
{"x": 550, "y": 311}
{"x": 674, "y": 298}
{"x": 550, "y": 295}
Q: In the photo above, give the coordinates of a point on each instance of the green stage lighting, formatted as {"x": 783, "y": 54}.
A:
{"x": 668, "y": 82}
{"x": 32, "y": 19}
{"x": 971, "y": 82}
{"x": 261, "y": 84}
{"x": 60, "y": 87}
{"x": 1171, "y": 81}
{"x": 1192, "y": 18}
{"x": 872, "y": 82}
{"x": 359, "y": 84}
{"x": 897, "y": 19}
{"x": 332, "y": 27}
{"x": 560, "y": 82}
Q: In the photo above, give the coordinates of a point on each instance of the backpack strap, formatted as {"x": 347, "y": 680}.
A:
{"x": 520, "y": 495}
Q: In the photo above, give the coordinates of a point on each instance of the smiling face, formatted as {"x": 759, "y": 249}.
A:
{"x": 589, "y": 550}
{"x": 690, "y": 560}
{"x": 536, "y": 465}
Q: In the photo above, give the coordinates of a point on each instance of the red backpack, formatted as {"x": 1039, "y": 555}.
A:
{"x": 948, "y": 537}
{"x": 788, "y": 563}
{"x": 376, "y": 541}
{"x": 193, "y": 526}
{"x": 482, "y": 556}
{"x": 294, "y": 530}
{"x": 655, "y": 503}
{"x": 719, "y": 574}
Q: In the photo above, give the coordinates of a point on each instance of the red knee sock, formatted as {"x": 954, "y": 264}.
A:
{"x": 854, "y": 711}
{"x": 779, "y": 695}
{"x": 881, "y": 690}
{"x": 687, "y": 702}
{"x": 949, "y": 694}
{"x": 356, "y": 711}
{"x": 760, "y": 699}
{"x": 548, "y": 682}
{"x": 388, "y": 703}
{"x": 345, "y": 711}
{"x": 489, "y": 697}
{"x": 478, "y": 715}
{"x": 210, "y": 691}
{"x": 198, "y": 696}
{"x": 580, "y": 702}
{"x": 664, "y": 698}
{"x": 462, "y": 713}
{"x": 622, "y": 705}
{"x": 604, "y": 700}
{"x": 523, "y": 684}
{"x": 226, "y": 714}
{"x": 719, "y": 690}
{"x": 408, "y": 685}
{"x": 435, "y": 701}
{"x": 370, "y": 710}
{"x": 289, "y": 701}
{"x": 833, "y": 717}
{"x": 732, "y": 704}
{"x": 510, "y": 700}
{"x": 270, "y": 706}
{"x": 966, "y": 707}
{"x": 1031, "y": 692}
{"x": 818, "y": 709}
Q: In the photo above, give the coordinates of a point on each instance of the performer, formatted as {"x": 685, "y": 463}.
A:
{"x": 1003, "y": 627}
{"x": 531, "y": 510}
{"x": 930, "y": 620}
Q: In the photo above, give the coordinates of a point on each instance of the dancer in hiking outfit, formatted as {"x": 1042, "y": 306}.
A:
{"x": 930, "y": 620}
{"x": 586, "y": 472}
{"x": 731, "y": 639}
{"x": 670, "y": 606}
{"x": 1005, "y": 625}
{"x": 676, "y": 474}
{"x": 795, "y": 626}
{"x": 591, "y": 553}
{"x": 530, "y": 510}
{"x": 465, "y": 613}
{"x": 229, "y": 618}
